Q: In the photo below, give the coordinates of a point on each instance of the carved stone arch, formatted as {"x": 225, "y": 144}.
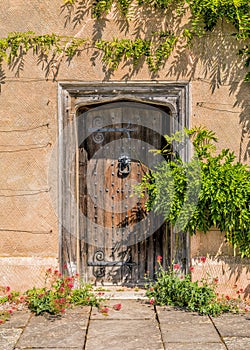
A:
{"x": 75, "y": 97}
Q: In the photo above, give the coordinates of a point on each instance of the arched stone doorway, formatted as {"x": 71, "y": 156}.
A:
{"x": 106, "y": 234}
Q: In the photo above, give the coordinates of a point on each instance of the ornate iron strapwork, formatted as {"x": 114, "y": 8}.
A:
{"x": 98, "y": 132}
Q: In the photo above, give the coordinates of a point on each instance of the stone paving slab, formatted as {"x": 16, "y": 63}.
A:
{"x": 196, "y": 346}
{"x": 19, "y": 319}
{"x": 179, "y": 328}
{"x": 230, "y": 325}
{"x": 65, "y": 332}
{"x": 9, "y": 337}
{"x": 184, "y": 332}
{"x": 124, "y": 335}
{"x": 234, "y": 343}
{"x": 168, "y": 314}
{"x": 130, "y": 309}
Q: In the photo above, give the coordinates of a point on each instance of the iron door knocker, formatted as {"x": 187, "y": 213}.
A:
{"x": 124, "y": 165}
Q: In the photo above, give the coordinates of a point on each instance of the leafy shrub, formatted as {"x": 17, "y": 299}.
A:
{"x": 172, "y": 289}
{"x": 58, "y": 294}
{"x": 212, "y": 190}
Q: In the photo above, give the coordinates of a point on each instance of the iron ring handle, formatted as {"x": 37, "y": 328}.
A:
{"x": 126, "y": 169}
{"x": 124, "y": 166}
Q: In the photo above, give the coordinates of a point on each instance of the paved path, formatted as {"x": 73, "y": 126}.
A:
{"x": 136, "y": 326}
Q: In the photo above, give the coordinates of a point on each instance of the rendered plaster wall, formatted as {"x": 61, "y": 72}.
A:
{"x": 29, "y": 126}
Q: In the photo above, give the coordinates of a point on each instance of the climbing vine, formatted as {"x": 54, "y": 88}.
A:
{"x": 154, "y": 48}
{"x": 213, "y": 189}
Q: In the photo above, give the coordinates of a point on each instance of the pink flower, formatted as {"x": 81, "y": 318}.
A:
{"x": 10, "y": 312}
{"x": 159, "y": 259}
{"x": 176, "y": 267}
{"x": 61, "y": 289}
{"x": 104, "y": 310}
{"x": 151, "y": 301}
{"x": 69, "y": 279}
{"x": 70, "y": 285}
{"x": 117, "y": 307}
{"x": 203, "y": 259}
{"x": 49, "y": 270}
{"x": 191, "y": 268}
{"x": 1, "y": 321}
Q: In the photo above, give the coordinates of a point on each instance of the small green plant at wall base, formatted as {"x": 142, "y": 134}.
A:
{"x": 10, "y": 301}
{"x": 58, "y": 294}
{"x": 171, "y": 288}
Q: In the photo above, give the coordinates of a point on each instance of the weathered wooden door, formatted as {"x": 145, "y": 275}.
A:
{"x": 120, "y": 241}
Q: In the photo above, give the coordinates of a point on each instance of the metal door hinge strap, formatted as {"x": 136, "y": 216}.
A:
{"x": 110, "y": 263}
{"x": 126, "y": 130}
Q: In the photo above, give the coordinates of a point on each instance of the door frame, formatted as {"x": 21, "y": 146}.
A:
{"x": 74, "y": 95}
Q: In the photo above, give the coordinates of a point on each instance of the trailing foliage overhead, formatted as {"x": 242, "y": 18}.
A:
{"x": 154, "y": 51}
{"x": 154, "y": 48}
{"x": 213, "y": 189}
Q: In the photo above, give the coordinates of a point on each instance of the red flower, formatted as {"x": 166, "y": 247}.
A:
{"x": 191, "y": 268}
{"x": 203, "y": 259}
{"x": 216, "y": 280}
{"x": 7, "y": 289}
{"x": 117, "y": 307}
{"x": 49, "y": 270}
{"x": 1, "y": 321}
{"x": 177, "y": 267}
{"x": 151, "y": 301}
{"x": 227, "y": 297}
{"x": 65, "y": 266}
{"x": 22, "y": 298}
{"x": 104, "y": 310}
{"x": 69, "y": 279}
{"x": 70, "y": 285}
{"x": 159, "y": 259}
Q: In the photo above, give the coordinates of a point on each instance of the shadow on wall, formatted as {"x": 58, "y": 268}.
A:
{"x": 243, "y": 101}
{"x": 222, "y": 263}
{"x": 216, "y": 53}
